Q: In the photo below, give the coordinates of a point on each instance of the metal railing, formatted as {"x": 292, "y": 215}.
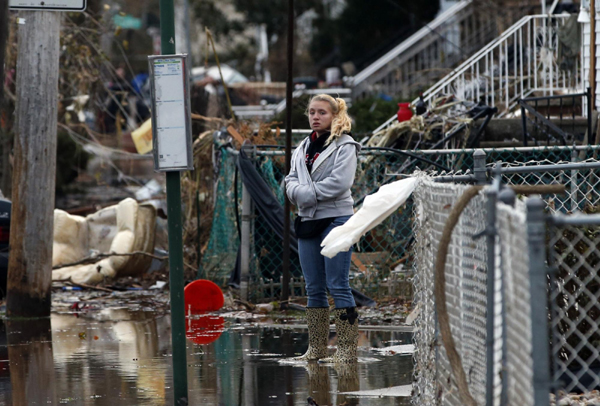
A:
{"x": 530, "y": 112}
{"x": 448, "y": 39}
{"x": 522, "y": 61}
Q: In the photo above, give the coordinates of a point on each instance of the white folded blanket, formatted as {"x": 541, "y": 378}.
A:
{"x": 376, "y": 208}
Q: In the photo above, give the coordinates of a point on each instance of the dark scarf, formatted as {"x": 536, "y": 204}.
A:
{"x": 315, "y": 147}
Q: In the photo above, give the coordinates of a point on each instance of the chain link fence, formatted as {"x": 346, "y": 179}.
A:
{"x": 381, "y": 263}
{"x": 506, "y": 358}
{"x": 466, "y": 281}
{"x": 574, "y": 256}
{"x": 497, "y": 294}
{"x": 500, "y": 329}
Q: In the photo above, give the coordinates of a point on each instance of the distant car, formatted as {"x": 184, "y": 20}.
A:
{"x": 5, "y": 208}
{"x": 230, "y": 75}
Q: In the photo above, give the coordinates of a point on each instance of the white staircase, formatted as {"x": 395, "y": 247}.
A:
{"x": 522, "y": 61}
{"x": 425, "y": 56}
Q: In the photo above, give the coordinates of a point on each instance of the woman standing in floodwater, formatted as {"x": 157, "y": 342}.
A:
{"x": 321, "y": 175}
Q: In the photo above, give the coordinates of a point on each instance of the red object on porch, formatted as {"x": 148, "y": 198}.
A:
{"x": 404, "y": 112}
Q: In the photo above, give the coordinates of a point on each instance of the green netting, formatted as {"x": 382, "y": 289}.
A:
{"x": 221, "y": 253}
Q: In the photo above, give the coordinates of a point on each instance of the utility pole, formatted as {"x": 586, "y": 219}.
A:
{"x": 4, "y": 143}
{"x": 30, "y": 262}
{"x": 3, "y": 38}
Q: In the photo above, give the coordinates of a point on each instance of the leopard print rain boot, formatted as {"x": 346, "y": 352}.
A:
{"x": 348, "y": 381}
{"x": 319, "y": 385}
{"x": 317, "y": 319}
{"x": 346, "y": 327}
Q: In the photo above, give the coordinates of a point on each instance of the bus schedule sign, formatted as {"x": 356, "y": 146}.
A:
{"x": 171, "y": 113}
{"x": 48, "y": 5}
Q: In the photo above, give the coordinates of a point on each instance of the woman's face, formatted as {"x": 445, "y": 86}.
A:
{"x": 320, "y": 116}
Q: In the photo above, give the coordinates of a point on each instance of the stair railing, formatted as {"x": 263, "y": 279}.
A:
{"x": 442, "y": 43}
{"x": 519, "y": 63}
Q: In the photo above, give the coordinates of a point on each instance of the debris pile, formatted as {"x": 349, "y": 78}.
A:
{"x": 448, "y": 123}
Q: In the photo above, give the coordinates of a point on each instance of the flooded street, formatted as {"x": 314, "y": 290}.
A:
{"x": 91, "y": 354}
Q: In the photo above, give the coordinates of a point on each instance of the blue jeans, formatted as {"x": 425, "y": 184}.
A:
{"x": 322, "y": 274}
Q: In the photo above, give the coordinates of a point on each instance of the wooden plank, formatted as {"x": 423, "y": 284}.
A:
{"x": 358, "y": 263}
{"x": 236, "y": 135}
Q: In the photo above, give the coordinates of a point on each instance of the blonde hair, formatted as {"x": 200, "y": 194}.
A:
{"x": 342, "y": 123}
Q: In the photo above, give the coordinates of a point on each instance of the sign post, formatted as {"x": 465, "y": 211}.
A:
{"x": 171, "y": 113}
{"x": 48, "y": 5}
{"x": 171, "y": 130}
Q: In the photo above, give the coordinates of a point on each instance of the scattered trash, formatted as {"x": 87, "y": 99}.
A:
{"x": 412, "y": 316}
{"x": 396, "y": 350}
{"x": 265, "y": 308}
{"x": 149, "y": 190}
{"x": 394, "y": 391}
{"x": 158, "y": 285}
{"x": 447, "y": 121}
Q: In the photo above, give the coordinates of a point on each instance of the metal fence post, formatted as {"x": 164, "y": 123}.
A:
{"x": 524, "y": 122}
{"x": 509, "y": 197}
{"x": 540, "y": 345}
{"x": 245, "y": 242}
{"x": 591, "y": 138}
{"x": 492, "y": 197}
{"x": 574, "y": 172}
{"x": 479, "y": 158}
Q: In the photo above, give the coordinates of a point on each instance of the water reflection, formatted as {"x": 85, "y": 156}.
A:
{"x": 119, "y": 357}
{"x": 5, "y": 386}
{"x": 242, "y": 368}
{"x": 112, "y": 357}
{"x": 204, "y": 328}
{"x": 319, "y": 385}
{"x": 30, "y": 355}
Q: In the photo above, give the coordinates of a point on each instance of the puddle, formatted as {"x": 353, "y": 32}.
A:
{"x": 117, "y": 356}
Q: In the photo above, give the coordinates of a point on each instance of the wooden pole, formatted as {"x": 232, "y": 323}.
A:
{"x": 593, "y": 53}
{"x": 4, "y": 139}
{"x": 30, "y": 262}
{"x": 3, "y": 38}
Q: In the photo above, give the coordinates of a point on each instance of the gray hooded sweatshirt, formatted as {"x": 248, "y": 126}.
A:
{"x": 325, "y": 191}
